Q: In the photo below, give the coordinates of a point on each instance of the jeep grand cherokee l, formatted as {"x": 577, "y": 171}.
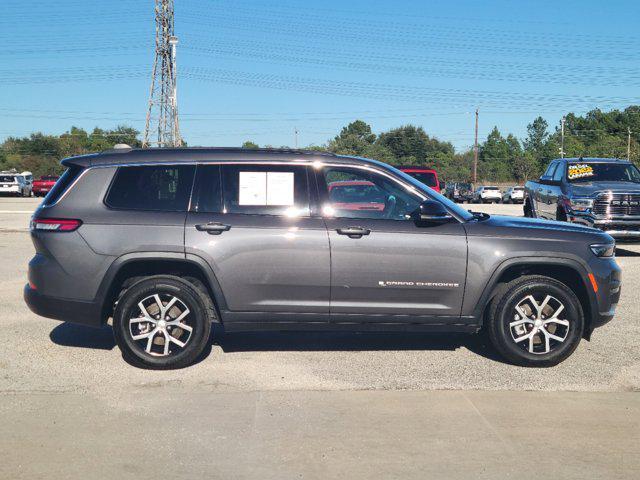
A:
{"x": 168, "y": 241}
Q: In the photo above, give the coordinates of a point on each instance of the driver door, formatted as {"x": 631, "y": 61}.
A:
{"x": 383, "y": 266}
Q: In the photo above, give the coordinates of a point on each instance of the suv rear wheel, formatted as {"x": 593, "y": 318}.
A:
{"x": 535, "y": 321}
{"x": 162, "y": 322}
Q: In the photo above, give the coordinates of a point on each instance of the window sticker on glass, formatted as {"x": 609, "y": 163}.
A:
{"x": 253, "y": 188}
{"x": 280, "y": 188}
{"x": 580, "y": 170}
{"x": 266, "y": 188}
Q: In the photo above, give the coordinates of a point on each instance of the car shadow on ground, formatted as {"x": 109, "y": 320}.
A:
{"x": 625, "y": 252}
{"x": 350, "y": 342}
{"x": 71, "y": 335}
{"x": 79, "y": 336}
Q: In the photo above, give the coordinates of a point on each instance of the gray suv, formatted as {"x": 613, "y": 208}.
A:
{"x": 167, "y": 242}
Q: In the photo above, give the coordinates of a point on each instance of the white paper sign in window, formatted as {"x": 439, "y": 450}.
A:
{"x": 266, "y": 188}
{"x": 280, "y": 188}
{"x": 253, "y": 188}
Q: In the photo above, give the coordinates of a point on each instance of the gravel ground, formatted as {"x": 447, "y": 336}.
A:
{"x": 41, "y": 355}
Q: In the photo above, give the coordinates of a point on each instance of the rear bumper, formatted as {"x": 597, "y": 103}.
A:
{"x": 73, "y": 311}
{"x": 12, "y": 189}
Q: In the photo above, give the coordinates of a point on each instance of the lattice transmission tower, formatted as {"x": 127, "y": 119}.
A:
{"x": 162, "y": 128}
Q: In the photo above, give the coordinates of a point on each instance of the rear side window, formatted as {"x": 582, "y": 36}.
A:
{"x": 157, "y": 187}
{"x": 62, "y": 185}
{"x": 266, "y": 190}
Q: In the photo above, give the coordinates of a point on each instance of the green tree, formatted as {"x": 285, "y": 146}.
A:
{"x": 411, "y": 145}
{"x": 250, "y": 144}
{"x": 496, "y": 157}
{"x": 354, "y": 139}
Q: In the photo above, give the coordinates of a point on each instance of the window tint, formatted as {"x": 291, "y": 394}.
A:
{"x": 62, "y": 184}
{"x": 266, "y": 189}
{"x": 356, "y": 193}
{"x": 158, "y": 187}
{"x": 208, "y": 190}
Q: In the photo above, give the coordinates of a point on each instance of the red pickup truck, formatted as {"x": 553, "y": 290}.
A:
{"x": 42, "y": 186}
{"x": 428, "y": 176}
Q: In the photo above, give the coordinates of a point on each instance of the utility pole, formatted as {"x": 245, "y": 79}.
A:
{"x": 162, "y": 128}
{"x": 475, "y": 152}
{"x": 628, "y": 143}
{"x": 562, "y": 136}
{"x": 295, "y": 135}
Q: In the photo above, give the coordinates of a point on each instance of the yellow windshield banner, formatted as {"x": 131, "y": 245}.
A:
{"x": 580, "y": 170}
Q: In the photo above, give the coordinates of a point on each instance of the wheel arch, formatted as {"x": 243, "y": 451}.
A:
{"x": 128, "y": 267}
{"x": 567, "y": 271}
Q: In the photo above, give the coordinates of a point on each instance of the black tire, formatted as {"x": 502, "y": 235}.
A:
{"x": 199, "y": 317}
{"x": 503, "y": 313}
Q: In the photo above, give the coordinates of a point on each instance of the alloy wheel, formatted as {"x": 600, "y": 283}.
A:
{"x": 539, "y": 324}
{"x": 161, "y": 325}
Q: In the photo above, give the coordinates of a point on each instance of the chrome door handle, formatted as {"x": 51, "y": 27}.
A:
{"x": 213, "y": 228}
{"x": 353, "y": 232}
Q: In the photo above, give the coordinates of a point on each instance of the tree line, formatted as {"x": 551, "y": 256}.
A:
{"x": 500, "y": 158}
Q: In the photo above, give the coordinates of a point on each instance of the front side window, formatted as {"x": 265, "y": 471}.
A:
{"x": 266, "y": 190}
{"x": 550, "y": 169}
{"x": 157, "y": 187}
{"x": 557, "y": 176}
{"x": 358, "y": 193}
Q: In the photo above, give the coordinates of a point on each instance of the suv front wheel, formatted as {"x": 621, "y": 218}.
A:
{"x": 162, "y": 322}
{"x": 535, "y": 321}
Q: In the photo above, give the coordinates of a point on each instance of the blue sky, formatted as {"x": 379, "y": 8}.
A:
{"x": 257, "y": 70}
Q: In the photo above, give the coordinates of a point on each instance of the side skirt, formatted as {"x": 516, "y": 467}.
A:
{"x": 277, "y": 321}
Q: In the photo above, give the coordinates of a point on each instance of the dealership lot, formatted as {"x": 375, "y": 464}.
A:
{"x": 272, "y": 395}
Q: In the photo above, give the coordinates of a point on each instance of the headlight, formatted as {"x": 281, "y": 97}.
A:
{"x": 603, "y": 250}
{"x": 580, "y": 204}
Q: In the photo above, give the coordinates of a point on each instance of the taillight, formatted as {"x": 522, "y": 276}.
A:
{"x": 55, "y": 224}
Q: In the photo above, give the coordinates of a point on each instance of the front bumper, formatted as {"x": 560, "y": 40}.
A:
{"x": 73, "y": 311}
{"x": 11, "y": 189}
{"x": 617, "y": 227}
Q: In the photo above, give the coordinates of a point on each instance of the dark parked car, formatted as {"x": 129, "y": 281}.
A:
{"x": 169, "y": 241}
{"x": 459, "y": 192}
{"x": 597, "y": 192}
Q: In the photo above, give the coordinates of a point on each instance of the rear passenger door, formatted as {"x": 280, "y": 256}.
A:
{"x": 253, "y": 224}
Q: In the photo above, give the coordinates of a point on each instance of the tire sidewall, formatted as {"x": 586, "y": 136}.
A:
{"x": 185, "y": 293}
{"x": 504, "y": 315}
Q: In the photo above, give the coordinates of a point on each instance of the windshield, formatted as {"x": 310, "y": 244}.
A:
{"x": 452, "y": 206}
{"x": 428, "y": 178}
{"x": 602, "y": 172}
{"x": 7, "y": 178}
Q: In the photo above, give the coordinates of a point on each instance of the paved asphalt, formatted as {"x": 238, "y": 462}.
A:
{"x": 310, "y": 405}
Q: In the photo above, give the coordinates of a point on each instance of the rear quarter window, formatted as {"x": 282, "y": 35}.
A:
{"x": 62, "y": 185}
{"x": 154, "y": 188}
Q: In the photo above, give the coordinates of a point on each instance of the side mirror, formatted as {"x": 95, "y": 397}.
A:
{"x": 431, "y": 212}
{"x": 548, "y": 180}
